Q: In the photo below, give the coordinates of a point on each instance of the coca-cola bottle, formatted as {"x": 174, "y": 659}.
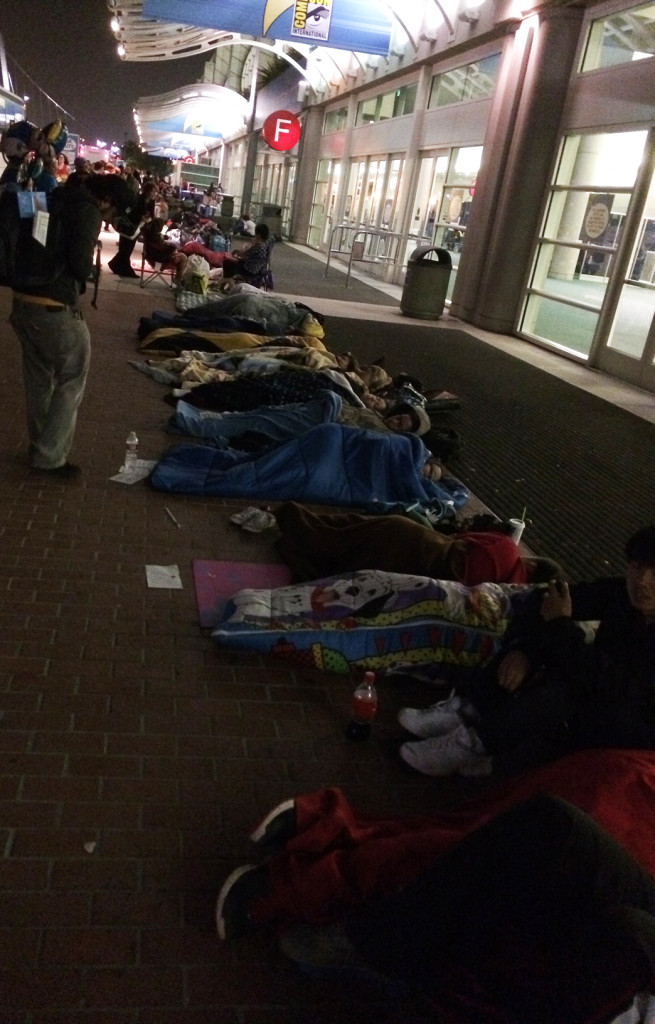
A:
{"x": 363, "y": 707}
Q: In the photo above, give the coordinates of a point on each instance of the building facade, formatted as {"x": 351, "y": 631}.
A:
{"x": 519, "y": 137}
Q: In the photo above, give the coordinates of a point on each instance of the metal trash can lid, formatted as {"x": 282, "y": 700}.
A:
{"x": 420, "y": 255}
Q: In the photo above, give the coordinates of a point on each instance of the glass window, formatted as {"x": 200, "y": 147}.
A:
{"x": 366, "y": 111}
{"x": 470, "y": 82}
{"x": 404, "y": 100}
{"x": 620, "y": 38}
{"x": 386, "y": 105}
{"x": 335, "y": 120}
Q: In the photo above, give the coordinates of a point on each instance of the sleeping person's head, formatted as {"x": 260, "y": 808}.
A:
{"x": 408, "y": 419}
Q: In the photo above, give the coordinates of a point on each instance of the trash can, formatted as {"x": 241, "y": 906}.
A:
{"x": 272, "y": 218}
{"x": 426, "y": 283}
{"x": 227, "y": 206}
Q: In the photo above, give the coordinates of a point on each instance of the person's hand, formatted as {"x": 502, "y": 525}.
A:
{"x": 556, "y": 602}
{"x": 513, "y": 671}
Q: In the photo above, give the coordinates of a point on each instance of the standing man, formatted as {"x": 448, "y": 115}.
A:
{"x": 48, "y": 321}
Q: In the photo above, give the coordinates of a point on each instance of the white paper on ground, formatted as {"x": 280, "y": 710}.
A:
{"x": 163, "y": 577}
{"x": 137, "y": 471}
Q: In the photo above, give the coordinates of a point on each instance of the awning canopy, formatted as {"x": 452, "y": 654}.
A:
{"x": 187, "y": 120}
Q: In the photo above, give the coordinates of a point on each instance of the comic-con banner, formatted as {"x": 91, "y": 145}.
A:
{"x": 359, "y": 25}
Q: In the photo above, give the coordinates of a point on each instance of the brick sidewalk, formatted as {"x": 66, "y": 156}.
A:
{"x": 137, "y": 755}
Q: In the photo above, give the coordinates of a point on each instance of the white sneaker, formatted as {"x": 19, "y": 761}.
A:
{"x": 459, "y": 753}
{"x": 239, "y": 518}
{"x": 437, "y": 720}
{"x": 259, "y": 521}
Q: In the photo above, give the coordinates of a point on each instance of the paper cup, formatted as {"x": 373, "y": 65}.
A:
{"x": 518, "y": 526}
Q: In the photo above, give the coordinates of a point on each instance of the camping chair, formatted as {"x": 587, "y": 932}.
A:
{"x": 151, "y": 267}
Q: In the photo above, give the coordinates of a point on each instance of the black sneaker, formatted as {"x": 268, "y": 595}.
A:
{"x": 240, "y": 889}
{"x": 276, "y": 828}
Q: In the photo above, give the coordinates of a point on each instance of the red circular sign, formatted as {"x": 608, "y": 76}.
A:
{"x": 281, "y": 129}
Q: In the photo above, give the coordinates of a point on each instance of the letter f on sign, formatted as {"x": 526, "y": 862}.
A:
{"x": 279, "y": 130}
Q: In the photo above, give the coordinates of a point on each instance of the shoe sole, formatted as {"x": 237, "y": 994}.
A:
{"x": 223, "y": 895}
{"x": 266, "y": 835}
{"x": 482, "y": 770}
{"x": 441, "y": 774}
{"x": 425, "y": 732}
{"x": 253, "y": 528}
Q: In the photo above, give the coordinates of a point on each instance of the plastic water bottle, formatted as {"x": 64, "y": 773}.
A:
{"x": 363, "y": 708}
{"x": 131, "y": 450}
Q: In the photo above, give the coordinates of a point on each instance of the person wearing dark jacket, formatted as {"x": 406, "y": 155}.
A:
{"x": 144, "y": 206}
{"x": 49, "y": 324}
{"x": 548, "y": 691}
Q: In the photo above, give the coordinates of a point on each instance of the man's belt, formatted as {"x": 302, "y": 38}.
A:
{"x": 40, "y": 300}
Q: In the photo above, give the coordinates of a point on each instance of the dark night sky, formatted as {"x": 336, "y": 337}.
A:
{"x": 68, "y": 49}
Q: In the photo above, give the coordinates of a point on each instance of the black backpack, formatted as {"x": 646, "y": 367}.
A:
{"x": 26, "y": 264}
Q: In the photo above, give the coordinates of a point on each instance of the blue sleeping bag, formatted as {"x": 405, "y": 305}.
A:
{"x": 329, "y": 465}
{"x": 277, "y": 423}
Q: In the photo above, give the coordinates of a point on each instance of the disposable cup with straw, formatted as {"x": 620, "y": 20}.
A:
{"x": 518, "y": 526}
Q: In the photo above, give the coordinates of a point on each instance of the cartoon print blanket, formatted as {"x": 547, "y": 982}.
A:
{"x": 371, "y": 620}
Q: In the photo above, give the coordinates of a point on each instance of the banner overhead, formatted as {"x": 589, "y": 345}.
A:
{"x": 358, "y": 25}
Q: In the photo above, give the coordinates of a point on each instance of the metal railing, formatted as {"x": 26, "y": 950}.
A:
{"x": 358, "y": 248}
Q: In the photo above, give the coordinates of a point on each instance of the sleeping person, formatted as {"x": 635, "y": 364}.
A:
{"x": 330, "y": 464}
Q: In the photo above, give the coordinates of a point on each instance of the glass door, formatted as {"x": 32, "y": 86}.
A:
{"x": 319, "y": 212}
{"x": 626, "y": 346}
{"x": 427, "y": 200}
{"x": 589, "y": 230}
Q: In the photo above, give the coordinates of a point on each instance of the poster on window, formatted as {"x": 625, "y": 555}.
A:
{"x": 360, "y": 25}
{"x": 597, "y": 218}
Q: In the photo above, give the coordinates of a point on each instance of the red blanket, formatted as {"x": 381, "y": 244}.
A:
{"x": 340, "y": 857}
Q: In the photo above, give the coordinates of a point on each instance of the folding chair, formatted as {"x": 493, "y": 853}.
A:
{"x": 151, "y": 267}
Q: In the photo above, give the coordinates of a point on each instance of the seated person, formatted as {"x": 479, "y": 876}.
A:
{"x": 531, "y": 913}
{"x": 253, "y": 261}
{"x": 245, "y": 225}
{"x": 315, "y": 544}
{"x": 547, "y": 691}
{"x": 158, "y": 250}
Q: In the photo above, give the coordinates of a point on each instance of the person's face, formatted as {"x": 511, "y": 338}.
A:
{"x": 431, "y": 470}
{"x": 375, "y": 402}
{"x": 400, "y": 422}
{"x": 640, "y": 579}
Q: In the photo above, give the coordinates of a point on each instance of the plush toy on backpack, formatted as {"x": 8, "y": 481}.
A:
{"x": 17, "y": 143}
{"x": 24, "y": 147}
